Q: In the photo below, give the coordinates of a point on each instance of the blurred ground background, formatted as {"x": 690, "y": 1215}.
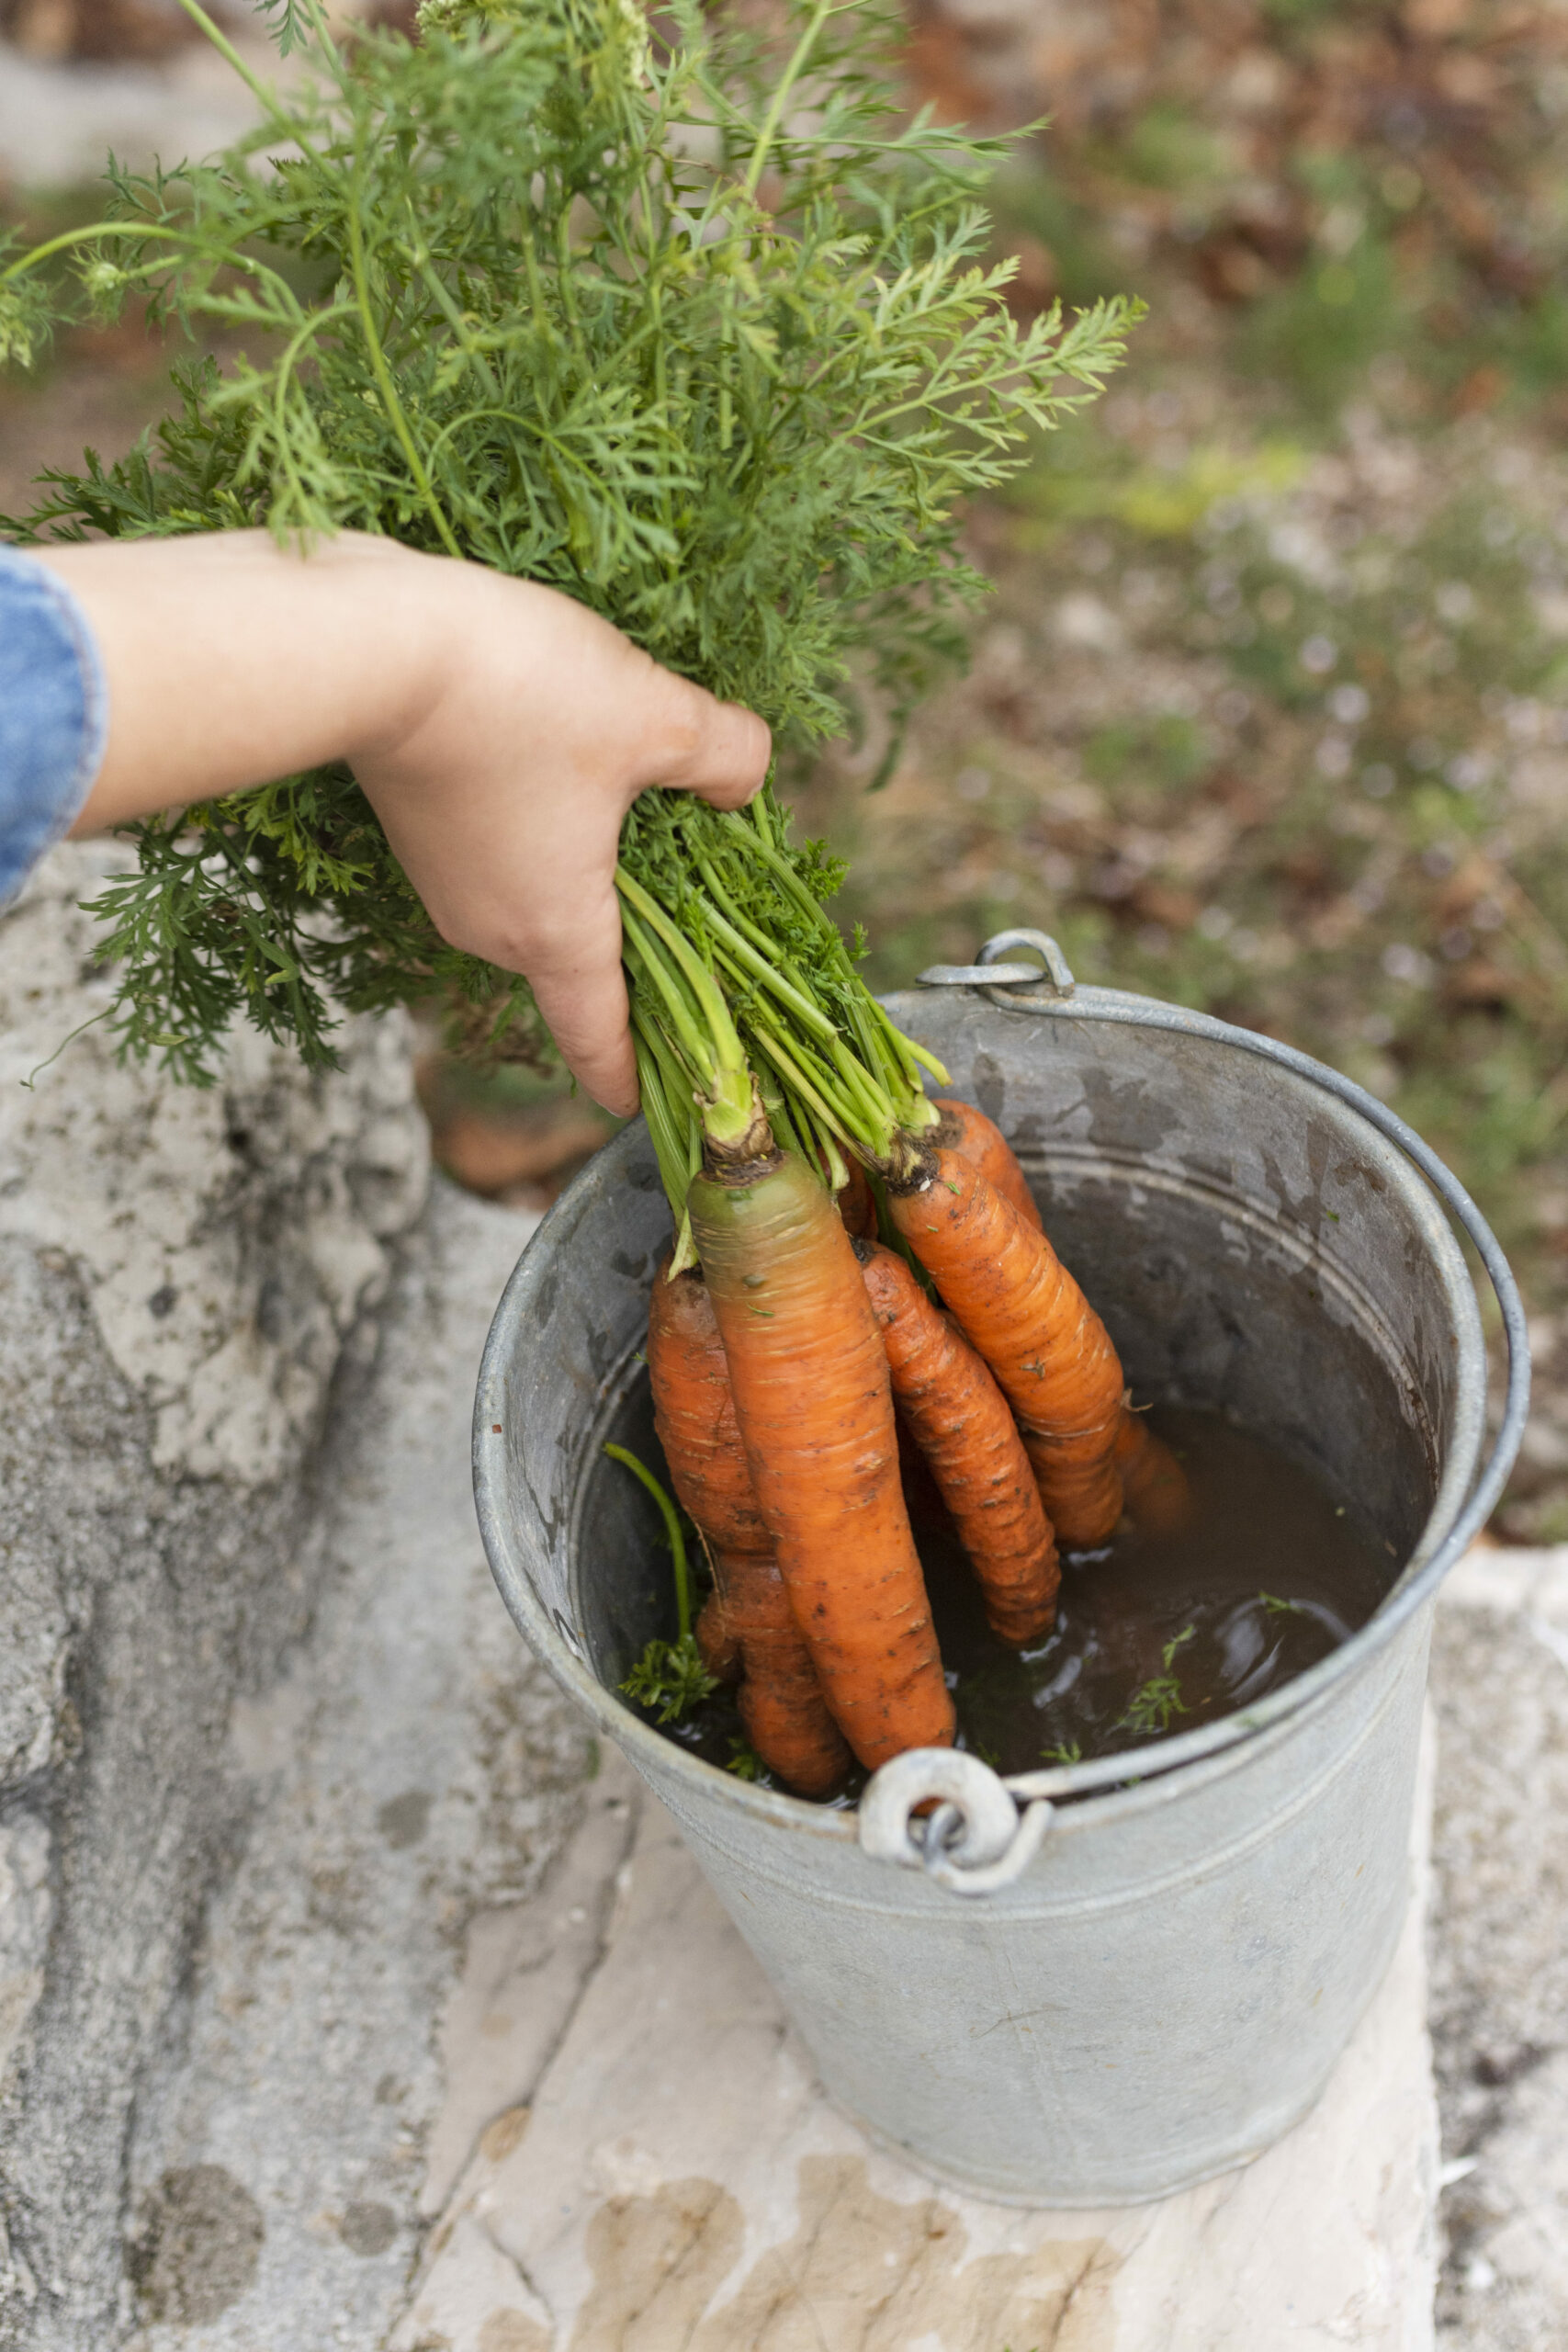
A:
{"x": 1270, "y": 711}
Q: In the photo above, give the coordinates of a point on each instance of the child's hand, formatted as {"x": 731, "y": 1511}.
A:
{"x": 501, "y": 730}
{"x": 505, "y": 800}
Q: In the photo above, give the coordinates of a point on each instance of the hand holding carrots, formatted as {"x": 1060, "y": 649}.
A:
{"x": 500, "y": 730}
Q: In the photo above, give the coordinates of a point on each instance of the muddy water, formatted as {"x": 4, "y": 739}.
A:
{"x": 1153, "y": 1635}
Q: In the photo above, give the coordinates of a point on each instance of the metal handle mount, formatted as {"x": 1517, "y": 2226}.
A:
{"x": 989, "y": 970}
{"x": 975, "y": 1839}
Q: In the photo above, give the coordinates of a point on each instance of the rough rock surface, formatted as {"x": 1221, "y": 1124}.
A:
{"x": 1500, "y": 1949}
{"x": 412, "y": 1778}
{"x": 183, "y": 1279}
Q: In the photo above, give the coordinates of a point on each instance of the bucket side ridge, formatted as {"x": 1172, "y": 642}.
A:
{"x": 1269, "y": 1231}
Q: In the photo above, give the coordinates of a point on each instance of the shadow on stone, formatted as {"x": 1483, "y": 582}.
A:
{"x": 368, "y": 2229}
{"x": 199, "y": 2247}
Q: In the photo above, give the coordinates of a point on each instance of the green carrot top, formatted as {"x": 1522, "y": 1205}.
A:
{"x": 692, "y": 324}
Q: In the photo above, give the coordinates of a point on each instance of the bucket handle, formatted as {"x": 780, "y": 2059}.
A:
{"x": 988, "y": 971}
{"x": 974, "y": 1841}
{"x": 957, "y": 1842}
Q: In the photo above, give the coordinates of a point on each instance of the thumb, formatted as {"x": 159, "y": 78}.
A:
{"x": 718, "y": 750}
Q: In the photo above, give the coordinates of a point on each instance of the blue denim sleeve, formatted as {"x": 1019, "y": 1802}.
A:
{"x": 54, "y": 714}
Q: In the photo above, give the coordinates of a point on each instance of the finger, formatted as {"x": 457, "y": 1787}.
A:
{"x": 718, "y": 750}
{"x": 581, "y": 993}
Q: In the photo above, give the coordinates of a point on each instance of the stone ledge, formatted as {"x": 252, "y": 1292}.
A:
{"x": 411, "y": 1781}
{"x": 680, "y": 2183}
{"x": 1500, "y": 1949}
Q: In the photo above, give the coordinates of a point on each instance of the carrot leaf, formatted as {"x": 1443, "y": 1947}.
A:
{"x": 1150, "y": 1710}
{"x": 677, "y": 313}
{"x": 671, "y": 1676}
{"x": 673, "y": 1532}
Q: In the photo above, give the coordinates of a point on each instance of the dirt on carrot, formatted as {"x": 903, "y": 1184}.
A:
{"x": 967, "y": 1130}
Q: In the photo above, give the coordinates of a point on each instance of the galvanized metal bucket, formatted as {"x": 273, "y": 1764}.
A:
{"x": 1075, "y": 1988}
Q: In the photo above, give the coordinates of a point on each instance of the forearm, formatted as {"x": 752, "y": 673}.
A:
{"x": 229, "y": 660}
{"x": 499, "y": 730}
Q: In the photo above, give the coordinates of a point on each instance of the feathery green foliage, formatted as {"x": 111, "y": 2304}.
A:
{"x": 694, "y": 332}
{"x": 1150, "y": 1710}
{"x": 669, "y": 1676}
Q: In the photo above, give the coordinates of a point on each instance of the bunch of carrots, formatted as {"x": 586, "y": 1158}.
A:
{"x": 780, "y": 1366}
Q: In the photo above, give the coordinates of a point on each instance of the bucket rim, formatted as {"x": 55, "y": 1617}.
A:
{"x": 1051, "y": 1001}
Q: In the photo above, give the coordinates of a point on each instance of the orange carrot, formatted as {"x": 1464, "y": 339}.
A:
{"x": 814, "y": 1401}
{"x": 966, "y": 1433}
{"x": 1153, "y": 1481}
{"x": 718, "y": 1644}
{"x": 963, "y": 1128}
{"x": 1154, "y": 1485}
{"x": 780, "y": 1698}
{"x": 693, "y": 1413}
{"x": 1016, "y": 1303}
{"x": 746, "y": 1627}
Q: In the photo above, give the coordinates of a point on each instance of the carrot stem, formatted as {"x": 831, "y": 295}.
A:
{"x": 678, "y": 1006}
{"x": 733, "y": 957}
{"x": 727, "y": 1098}
{"x": 771, "y": 978}
{"x": 673, "y": 1144}
{"x": 629, "y": 1461}
{"x": 812, "y": 1097}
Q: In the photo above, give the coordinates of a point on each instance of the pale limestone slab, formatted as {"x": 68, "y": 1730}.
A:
{"x": 1516, "y": 1579}
{"x": 524, "y": 1970}
{"x": 1499, "y": 1994}
{"x": 681, "y": 2184}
